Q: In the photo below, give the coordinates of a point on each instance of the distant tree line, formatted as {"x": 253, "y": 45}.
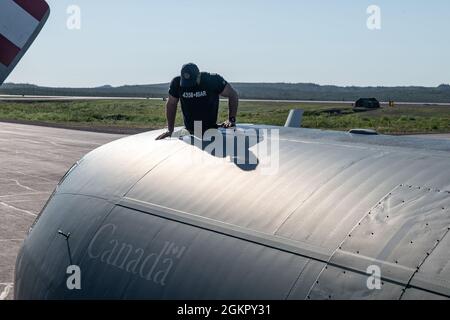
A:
{"x": 269, "y": 91}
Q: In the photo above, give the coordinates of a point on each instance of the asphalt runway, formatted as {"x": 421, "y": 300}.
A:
{"x": 32, "y": 161}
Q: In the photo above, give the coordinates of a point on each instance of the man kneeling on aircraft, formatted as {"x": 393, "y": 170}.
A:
{"x": 199, "y": 94}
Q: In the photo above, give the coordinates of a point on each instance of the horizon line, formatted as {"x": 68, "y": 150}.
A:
{"x": 231, "y": 82}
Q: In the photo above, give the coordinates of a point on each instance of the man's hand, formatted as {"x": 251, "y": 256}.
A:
{"x": 233, "y": 104}
{"x": 228, "y": 124}
{"x": 165, "y": 135}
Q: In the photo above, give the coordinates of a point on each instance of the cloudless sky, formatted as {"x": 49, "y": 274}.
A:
{"x": 324, "y": 42}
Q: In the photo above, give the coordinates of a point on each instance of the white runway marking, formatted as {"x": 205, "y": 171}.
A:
{"x": 34, "y": 176}
{"x": 17, "y": 209}
{"x": 23, "y": 186}
{"x": 23, "y": 194}
{"x": 4, "y": 294}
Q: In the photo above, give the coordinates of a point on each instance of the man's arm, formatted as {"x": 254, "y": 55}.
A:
{"x": 171, "y": 113}
{"x": 233, "y": 105}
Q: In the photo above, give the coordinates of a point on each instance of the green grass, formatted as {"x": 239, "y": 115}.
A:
{"x": 150, "y": 114}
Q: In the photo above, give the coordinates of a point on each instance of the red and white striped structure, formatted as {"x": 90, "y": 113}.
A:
{"x": 20, "y": 23}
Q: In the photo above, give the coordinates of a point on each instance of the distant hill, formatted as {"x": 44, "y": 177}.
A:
{"x": 270, "y": 91}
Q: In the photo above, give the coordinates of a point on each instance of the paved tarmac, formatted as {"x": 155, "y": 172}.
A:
{"x": 32, "y": 161}
{"x": 445, "y": 136}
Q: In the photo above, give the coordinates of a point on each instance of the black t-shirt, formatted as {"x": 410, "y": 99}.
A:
{"x": 200, "y": 103}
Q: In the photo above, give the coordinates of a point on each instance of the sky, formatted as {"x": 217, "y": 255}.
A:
{"x": 324, "y": 42}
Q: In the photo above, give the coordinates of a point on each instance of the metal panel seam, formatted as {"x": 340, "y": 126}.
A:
{"x": 154, "y": 167}
{"x": 268, "y": 240}
{"x": 342, "y": 242}
{"x": 409, "y": 284}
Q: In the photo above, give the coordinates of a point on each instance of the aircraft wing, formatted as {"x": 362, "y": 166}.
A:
{"x": 20, "y": 23}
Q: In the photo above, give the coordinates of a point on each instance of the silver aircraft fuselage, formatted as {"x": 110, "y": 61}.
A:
{"x": 326, "y": 218}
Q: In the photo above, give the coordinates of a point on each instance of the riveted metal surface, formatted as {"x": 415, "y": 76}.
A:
{"x": 416, "y": 294}
{"x": 306, "y": 280}
{"x": 389, "y": 271}
{"x": 337, "y": 284}
{"x": 434, "y": 272}
{"x": 347, "y": 197}
{"x": 397, "y": 235}
{"x": 438, "y": 263}
{"x": 431, "y": 282}
{"x": 403, "y": 228}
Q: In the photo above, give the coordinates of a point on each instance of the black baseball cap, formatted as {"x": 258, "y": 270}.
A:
{"x": 189, "y": 75}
